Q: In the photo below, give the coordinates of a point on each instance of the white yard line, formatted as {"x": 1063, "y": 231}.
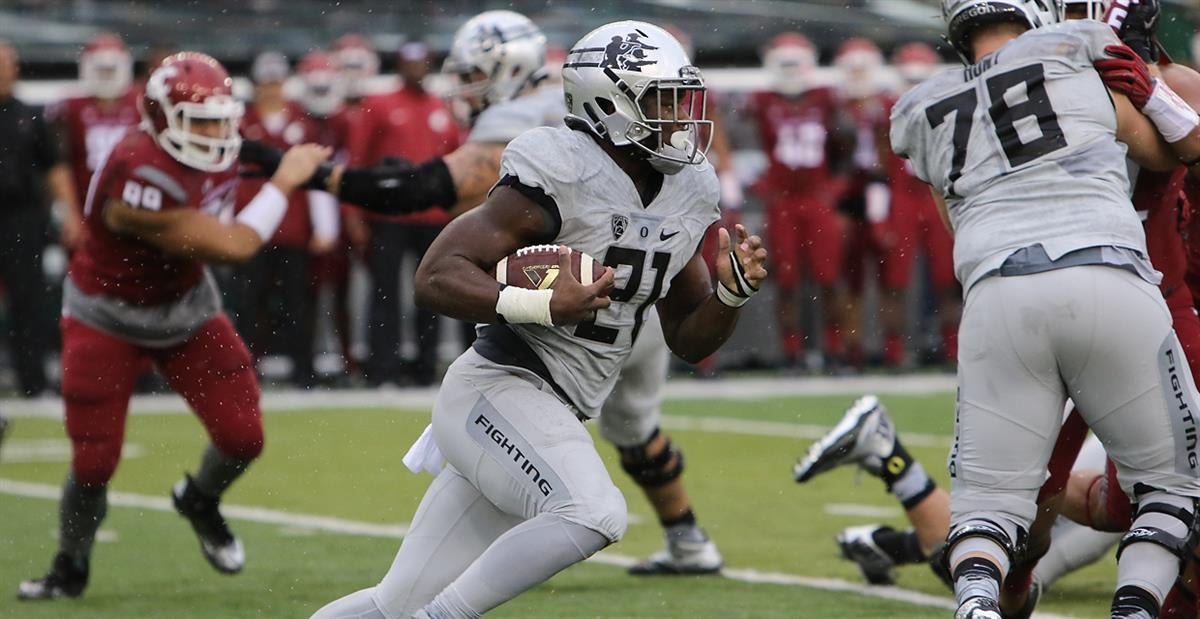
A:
{"x": 351, "y": 527}
{"x": 422, "y": 399}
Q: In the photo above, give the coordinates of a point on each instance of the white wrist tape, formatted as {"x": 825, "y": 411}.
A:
{"x": 1173, "y": 117}
{"x": 879, "y": 202}
{"x": 736, "y": 298}
{"x": 265, "y": 212}
{"x": 518, "y": 305}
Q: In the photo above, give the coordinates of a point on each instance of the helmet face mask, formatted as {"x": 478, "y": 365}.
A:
{"x": 1083, "y": 9}
{"x": 790, "y": 60}
{"x": 105, "y": 67}
{"x": 632, "y": 84}
{"x": 323, "y": 88}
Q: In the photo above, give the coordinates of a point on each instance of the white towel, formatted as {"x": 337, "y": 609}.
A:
{"x": 424, "y": 454}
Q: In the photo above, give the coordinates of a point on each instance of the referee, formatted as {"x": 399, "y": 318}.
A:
{"x": 28, "y": 154}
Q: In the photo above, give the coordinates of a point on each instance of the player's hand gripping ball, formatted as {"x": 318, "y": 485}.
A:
{"x": 580, "y": 283}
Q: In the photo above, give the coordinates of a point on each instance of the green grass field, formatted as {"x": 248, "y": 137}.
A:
{"x": 346, "y": 464}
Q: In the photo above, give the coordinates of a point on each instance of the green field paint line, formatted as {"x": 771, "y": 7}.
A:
{"x": 397, "y": 531}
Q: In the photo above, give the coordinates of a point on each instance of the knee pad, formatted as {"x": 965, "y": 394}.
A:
{"x": 1013, "y": 545}
{"x": 1144, "y": 530}
{"x": 652, "y": 471}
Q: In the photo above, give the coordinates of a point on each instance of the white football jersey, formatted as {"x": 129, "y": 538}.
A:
{"x": 503, "y": 122}
{"x": 1023, "y": 146}
{"x": 602, "y": 215}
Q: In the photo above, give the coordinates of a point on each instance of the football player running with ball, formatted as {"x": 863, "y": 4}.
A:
{"x": 524, "y": 493}
{"x": 1022, "y": 150}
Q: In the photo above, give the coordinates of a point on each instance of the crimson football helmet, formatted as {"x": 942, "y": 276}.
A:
{"x": 187, "y": 88}
{"x": 790, "y": 59}
{"x": 915, "y": 62}
{"x": 859, "y": 61}
{"x": 106, "y": 67}
{"x": 323, "y": 89}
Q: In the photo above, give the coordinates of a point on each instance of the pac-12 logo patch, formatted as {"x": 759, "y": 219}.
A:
{"x": 619, "y": 224}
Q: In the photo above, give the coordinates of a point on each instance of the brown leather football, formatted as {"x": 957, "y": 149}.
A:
{"x": 536, "y": 267}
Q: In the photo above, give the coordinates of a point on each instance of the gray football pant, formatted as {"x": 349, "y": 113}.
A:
{"x": 524, "y": 495}
{"x": 1099, "y": 335}
{"x": 633, "y": 410}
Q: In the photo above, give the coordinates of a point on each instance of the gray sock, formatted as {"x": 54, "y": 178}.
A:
{"x": 79, "y": 514}
{"x": 218, "y": 471}
{"x": 525, "y": 556}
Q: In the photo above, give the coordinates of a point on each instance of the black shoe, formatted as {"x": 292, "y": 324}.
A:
{"x": 223, "y": 551}
{"x": 65, "y": 579}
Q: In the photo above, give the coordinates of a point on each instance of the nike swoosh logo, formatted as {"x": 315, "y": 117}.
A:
{"x": 663, "y": 236}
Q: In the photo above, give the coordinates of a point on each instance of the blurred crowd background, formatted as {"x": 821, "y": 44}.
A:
{"x": 328, "y": 303}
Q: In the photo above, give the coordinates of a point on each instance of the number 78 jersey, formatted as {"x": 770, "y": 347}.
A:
{"x": 1023, "y": 146}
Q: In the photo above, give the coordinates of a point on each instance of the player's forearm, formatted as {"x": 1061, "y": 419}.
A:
{"x": 454, "y": 286}
{"x": 62, "y": 189}
{"x": 701, "y": 332}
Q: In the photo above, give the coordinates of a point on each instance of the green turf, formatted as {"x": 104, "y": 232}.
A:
{"x": 347, "y": 464}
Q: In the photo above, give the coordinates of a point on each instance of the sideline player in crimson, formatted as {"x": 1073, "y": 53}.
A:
{"x": 138, "y": 294}
{"x": 91, "y": 124}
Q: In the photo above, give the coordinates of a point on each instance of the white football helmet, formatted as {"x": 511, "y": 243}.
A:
{"x": 859, "y": 62}
{"x": 506, "y": 47}
{"x": 105, "y": 67}
{"x": 616, "y": 81}
{"x": 963, "y": 17}
{"x": 790, "y": 59}
{"x": 1091, "y": 9}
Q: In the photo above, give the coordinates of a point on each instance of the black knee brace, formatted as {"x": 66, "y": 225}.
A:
{"x": 652, "y": 471}
{"x": 990, "y": 530}
{"x": 1179, "y": 546}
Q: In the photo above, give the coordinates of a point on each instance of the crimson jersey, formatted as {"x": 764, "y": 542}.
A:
{"x": 1156, "y": 198}
{"x": 410, "y": 124}
{"x": 794, "y": 133}
{"x": 289, "y": 128}
{"x": 89, "y": 130}
{"x": 140, "y": 173}
{"x": 1191, "y": 192}
{"x": 870, "y": 118}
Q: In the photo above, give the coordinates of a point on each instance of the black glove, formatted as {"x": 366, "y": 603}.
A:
{"x": 1136, "y": 22}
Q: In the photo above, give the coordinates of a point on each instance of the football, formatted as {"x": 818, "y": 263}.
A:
{"x": 536, "y": 267}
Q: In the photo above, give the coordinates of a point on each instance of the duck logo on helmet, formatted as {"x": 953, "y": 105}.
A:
{"x": 628, "y": 53}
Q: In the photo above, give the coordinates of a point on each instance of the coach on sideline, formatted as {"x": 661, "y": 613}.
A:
{"x": 27, "y": 152}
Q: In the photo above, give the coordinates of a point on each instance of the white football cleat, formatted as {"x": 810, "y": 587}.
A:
{"x": 682, "y": 556}
{"x": 858, "y": 545}
{"x": 979, "y": 608}
{"x": 865, "y": 436}
{"x": 218, "y": 544}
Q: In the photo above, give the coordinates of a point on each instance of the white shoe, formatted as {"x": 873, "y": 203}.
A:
{"x": 858, "y": 545}
{"x": 682, "y": 556}
{"x": 865, "y": 436}
{"x": 979, "y": 608}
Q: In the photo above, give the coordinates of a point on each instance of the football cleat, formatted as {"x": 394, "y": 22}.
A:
{"x": 65, "y": 579}
{"x": 858, "y": 545}
{"x": 682, "y": 556}
{"x": 979, "y": 608}
{"x": 223, "y": 551}
{"x": 865, "y": 436}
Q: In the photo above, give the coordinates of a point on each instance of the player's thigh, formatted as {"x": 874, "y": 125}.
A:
{"x": 1010, "y": 400}
{"x": 825, "y": 243}
{"x": 524, "y": 449}
{"x": 633, "y": 409}
{"x": 1126, "y": 370}
{"x": 214, "y": 373}
{"x": 98, "y": 375}
{"x": 784, "y": 241}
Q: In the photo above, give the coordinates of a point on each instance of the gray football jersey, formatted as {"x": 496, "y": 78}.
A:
{"x": 503, "y": 122}
{"x": 602, "y": 215}
{"x": 1023, "y": 146}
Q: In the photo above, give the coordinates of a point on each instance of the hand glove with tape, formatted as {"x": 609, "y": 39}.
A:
{"x": 1125, "y": 72}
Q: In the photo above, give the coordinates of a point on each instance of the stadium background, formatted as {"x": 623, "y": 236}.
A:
{"x": 320, "y": 512}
